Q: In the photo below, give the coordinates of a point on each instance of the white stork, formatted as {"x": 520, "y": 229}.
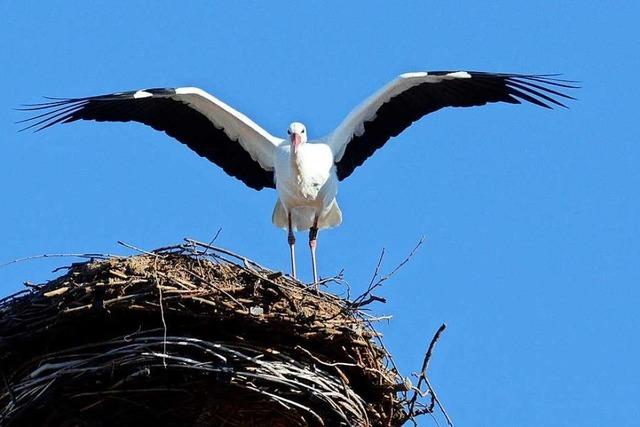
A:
{"x": 305, "y": 173}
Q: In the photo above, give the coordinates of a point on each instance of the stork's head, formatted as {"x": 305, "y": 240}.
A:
{"x": 298, "y": 135}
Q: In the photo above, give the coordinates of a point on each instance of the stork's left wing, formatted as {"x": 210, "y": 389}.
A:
{"x": 411, "y": 96}
{"x": 194, "y": 117}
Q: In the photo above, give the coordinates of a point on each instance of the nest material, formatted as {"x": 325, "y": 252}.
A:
{"x": 187, "y": 337}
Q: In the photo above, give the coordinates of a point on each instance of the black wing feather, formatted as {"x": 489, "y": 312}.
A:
{"x": 407, "y": 107}
{"x": 177, "y": 119}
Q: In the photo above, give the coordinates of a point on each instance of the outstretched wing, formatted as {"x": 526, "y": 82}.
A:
{"x": 197, "y": 119}
{"x": 413, "y": 95}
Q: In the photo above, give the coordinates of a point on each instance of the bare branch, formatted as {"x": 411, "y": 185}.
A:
{"x": 85, "y": 256}
{"x": 422, "y": 378}
{"x": 367, "y": 296}
{"x": 142, "y": 251}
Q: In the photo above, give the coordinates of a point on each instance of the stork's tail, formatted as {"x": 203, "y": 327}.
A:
{"x": 332, "y": 216}
{"x": 279, "y": 217}
{"x": 302, "y": 218}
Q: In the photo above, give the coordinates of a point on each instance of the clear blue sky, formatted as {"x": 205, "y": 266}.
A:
{"x": 531, "y": 216}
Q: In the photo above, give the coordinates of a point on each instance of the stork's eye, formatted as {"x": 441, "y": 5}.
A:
{"x": 289, "y": 131}
{"x": 302, "y": 131}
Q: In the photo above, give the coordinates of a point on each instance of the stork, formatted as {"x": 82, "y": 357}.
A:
{"x": 305, "y": 172}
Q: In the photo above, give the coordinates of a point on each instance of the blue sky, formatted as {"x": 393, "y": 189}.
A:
{"x": 530, "y": 216}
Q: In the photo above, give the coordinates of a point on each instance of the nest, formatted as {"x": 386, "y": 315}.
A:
{"x": 191, "y": 335}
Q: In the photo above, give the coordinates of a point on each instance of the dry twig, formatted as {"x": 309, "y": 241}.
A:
{"x": 422, "y": 377}
{"x": 367, "y": 297}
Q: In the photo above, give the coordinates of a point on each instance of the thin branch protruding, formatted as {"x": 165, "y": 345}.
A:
{"x": 377, "y": 280}
{"x": 412, "y": 404}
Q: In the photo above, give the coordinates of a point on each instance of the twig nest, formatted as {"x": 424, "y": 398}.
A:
{"x": 187, "y": 337}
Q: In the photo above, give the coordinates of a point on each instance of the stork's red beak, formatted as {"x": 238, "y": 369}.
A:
{"x": 296, "y": 140}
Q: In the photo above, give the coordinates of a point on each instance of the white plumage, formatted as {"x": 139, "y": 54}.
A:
{"x": 304, "y": 173}
{"x": 307, "y": 185}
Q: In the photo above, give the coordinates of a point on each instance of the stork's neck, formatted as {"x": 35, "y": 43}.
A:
{"x": 297, "y": 159}
{"x": 294, "y": 159}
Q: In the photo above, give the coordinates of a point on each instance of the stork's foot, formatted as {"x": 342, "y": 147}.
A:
{"x": 314, "y": 287}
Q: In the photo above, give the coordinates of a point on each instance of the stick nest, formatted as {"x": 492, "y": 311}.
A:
{"x": 190, "y": 336}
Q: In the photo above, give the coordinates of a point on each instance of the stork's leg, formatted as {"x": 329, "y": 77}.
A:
{"x": 292, "y": 243}
{"x": 313, "y": 243}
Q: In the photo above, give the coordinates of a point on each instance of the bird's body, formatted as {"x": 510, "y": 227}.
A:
{"x": 305, "y": 174}
{"x": 307, "y": 186}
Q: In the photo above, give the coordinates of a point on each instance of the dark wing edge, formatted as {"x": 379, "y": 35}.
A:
{"x": 159, "y": 109}
{"x": 401, "y": 110}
